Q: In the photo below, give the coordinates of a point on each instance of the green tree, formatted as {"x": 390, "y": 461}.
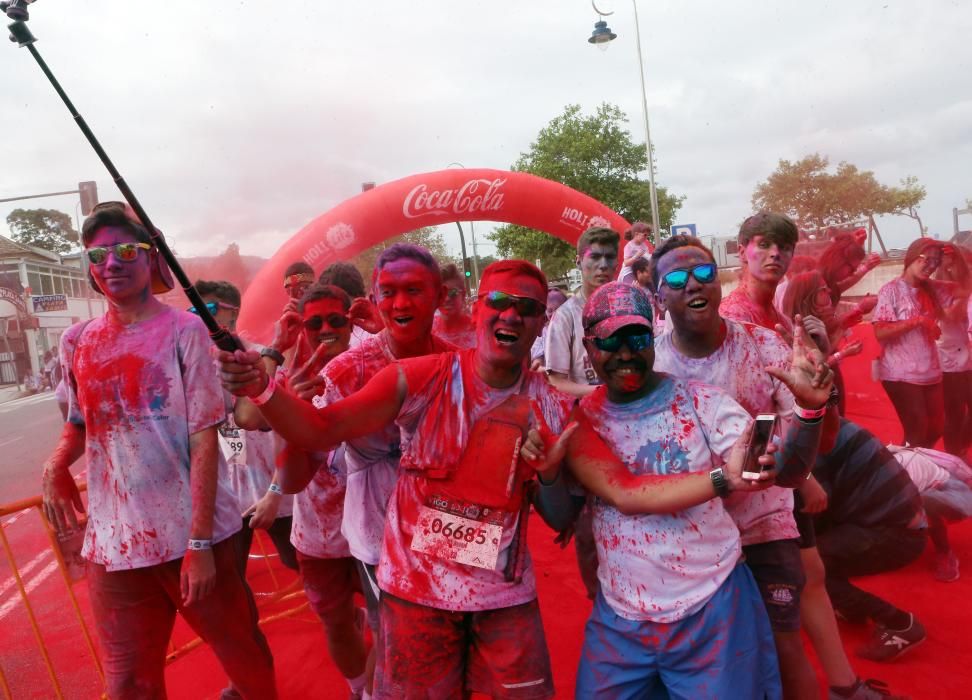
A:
{"x": 815, "y": 197}
{"x": 596, "y": 155}
{"x": 43, "y": 228}
{"x": 427, "y": 237}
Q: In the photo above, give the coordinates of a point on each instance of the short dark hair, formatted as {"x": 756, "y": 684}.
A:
{"x": 225, "y": 291}
{"x": 450, "y": 272}
{"x": 346, "y": 276}
{"x": 601, "y": 235}
{"x": 298, "y": 268}
{"x": 776, "y": 228}
{"x": 640, "y": 265}
{"x": 681, "y": 240}
{"x": 406, "y": 251}
{"x": 324, "y": 291}
{"x": 113, "y": 216}
{"x": 517, "y": 267}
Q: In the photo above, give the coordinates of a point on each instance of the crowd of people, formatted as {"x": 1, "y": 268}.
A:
{"x": 394, "y": 443}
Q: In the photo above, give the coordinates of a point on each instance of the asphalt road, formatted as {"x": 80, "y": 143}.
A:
{"x": 29, "y": 429}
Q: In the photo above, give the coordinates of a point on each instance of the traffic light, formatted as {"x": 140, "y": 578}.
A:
{"x": 89, "y": 196}
{"x": 467, "y": 266}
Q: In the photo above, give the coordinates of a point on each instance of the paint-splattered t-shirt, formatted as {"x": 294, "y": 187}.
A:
{"x": 140, "y": 390}
{"x": 250, "y": 456}
{"x": 319, "y": 508}
{"x": 738, "y": 306}
{"x": 912, "y": 356}
{"x": 738, "y": 368}
{"x": 436, "y": 384}
{"x": 371, "y": 461}
{"x": 665, "y": 567}
{"x": 564, "y": 352}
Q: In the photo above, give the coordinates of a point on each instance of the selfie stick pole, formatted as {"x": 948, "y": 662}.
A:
{"x": 221, "y": 337}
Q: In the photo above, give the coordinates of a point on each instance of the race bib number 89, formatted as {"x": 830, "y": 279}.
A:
{"x": 456, "y": 538}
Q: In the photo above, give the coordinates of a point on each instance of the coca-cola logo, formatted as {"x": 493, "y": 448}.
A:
{"x": 474, "y": 196}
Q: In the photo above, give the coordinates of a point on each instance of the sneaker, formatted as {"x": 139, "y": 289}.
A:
{"x": 869, "y": 689}
{"x": 946, "y": 567}
{"x": 888, "y": 644}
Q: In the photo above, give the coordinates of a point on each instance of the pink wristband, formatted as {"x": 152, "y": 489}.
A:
{"x": 265, "y": 395}
{"x": 809, "y": 413}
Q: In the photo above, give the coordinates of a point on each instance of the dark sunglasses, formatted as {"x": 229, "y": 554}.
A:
{"x": 613, "y": 343}
{"x": 677, "y": 279}
{"x": 213, "y": 307}
{"x": 453, "y": 293}
{"x": 525, "y": 306}
{"x": 126, "y": 252}
{"x": 315, "y": 323}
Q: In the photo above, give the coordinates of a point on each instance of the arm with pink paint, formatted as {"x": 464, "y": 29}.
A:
{"x": 301, "y": 424}
{"x": 60, "y": 492}
{"x": 198, "y": 568}
{"x": 597, "y": 468}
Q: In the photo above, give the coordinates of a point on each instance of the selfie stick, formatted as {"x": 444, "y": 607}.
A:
{"x": 221, "y": 337}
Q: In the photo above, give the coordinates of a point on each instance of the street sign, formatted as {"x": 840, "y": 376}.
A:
{"x": 49, "y": 302}
{"x": 687, "y": 229}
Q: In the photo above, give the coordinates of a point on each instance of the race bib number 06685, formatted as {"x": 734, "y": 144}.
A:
{"x": 456, "y": 538}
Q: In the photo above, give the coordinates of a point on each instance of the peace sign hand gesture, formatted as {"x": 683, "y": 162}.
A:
{"x": 809, "y": 377}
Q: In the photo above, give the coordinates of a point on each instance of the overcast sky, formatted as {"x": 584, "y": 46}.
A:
{"x": 243, "y": 121}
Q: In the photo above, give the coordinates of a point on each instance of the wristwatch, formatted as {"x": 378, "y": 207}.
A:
{"x": 720, "y": 482}
{"x": 273, "y": 354}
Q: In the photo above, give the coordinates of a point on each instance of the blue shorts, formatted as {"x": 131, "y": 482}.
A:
{"x": 725, "y": 650}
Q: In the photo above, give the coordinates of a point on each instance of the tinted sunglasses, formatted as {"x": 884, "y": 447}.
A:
{"x": 298, "y": 279}
{"x": 525, "y": 306}
{"x": 677, "y": 279}
{"x": 315, "y": 323}
{"x": 126, "y": 252}
{"x": 213, "y": 307}
{"x": 453, "y": 293}
{"x": 613, "y": 343}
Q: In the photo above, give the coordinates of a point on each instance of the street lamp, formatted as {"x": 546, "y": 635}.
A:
{"x": 472, "y": 236}
{"x": 600, "y": 37}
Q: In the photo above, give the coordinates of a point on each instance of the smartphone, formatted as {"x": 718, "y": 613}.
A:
{"x": 760, "y": 434}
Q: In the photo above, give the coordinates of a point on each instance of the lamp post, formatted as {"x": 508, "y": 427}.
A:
{"x": 600, "y": 37}
{"x": 472, "y": 236}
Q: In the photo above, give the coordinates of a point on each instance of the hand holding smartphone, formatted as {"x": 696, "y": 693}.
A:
{"x": 760, "y": 433}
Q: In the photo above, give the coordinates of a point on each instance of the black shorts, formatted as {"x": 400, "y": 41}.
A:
{"x": 778, "y": 571}
{"x": 804, "y": 523}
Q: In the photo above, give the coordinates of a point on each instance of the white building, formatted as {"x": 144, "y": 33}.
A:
{"x": 41, "y": 295}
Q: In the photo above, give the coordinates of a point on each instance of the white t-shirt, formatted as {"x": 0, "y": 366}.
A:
{"x": 371, "y": 461}
{"x": 140, "y": 391}
{"x": 422, "y": 577}
{"x": 564, "y": 351}
{"x": 665, "y": 567}
{"x": 954, "y": 351}
{"x": 250, "y": 458}
{"x": 912, "y": 356}
{"x": 319, "y": 508}
{"x": 630, "y": 250}
{"x": 737, "y": 368}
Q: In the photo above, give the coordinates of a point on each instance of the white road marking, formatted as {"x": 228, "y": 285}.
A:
{"x": 29, "y": 587}
{"x": 24, "y": 571}
{"x": 26, "y": 401}
{"x": 13, "y": 439}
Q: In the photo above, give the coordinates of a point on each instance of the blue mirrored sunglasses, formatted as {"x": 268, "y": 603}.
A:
{"x": 677, "y": 279}
{"x": 613, "y": 343}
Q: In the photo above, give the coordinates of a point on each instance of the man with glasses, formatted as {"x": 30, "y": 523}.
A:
{"x": 676, "y": 609}
{"x": 145, "y": 404}
{"x": 458, "y": 602}
{"x": 249, "y": 454}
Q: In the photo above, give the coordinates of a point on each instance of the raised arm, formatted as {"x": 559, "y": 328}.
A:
{"x": 318, "y": 430}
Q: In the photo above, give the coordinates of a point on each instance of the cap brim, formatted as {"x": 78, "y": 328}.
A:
{"x": 610, "y": 326}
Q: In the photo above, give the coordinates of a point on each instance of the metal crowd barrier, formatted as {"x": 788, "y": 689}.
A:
{"x": 293, "y": 591}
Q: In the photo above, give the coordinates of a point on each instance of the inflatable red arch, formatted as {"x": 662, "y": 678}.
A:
{"x": 427, "y": 199}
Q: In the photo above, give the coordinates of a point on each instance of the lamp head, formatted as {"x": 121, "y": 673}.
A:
{"x": 601, "y": 35}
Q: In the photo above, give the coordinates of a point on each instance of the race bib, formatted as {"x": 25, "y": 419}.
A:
{"x": 232, "y": 442}
{"x": 456, "y": 538}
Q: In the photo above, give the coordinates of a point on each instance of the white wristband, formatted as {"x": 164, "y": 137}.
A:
{"x": 199, "y": 545}
{"x": 275, "y": 488}
{"x": 265, "y": 395}
{"x": 809, "y": 413}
